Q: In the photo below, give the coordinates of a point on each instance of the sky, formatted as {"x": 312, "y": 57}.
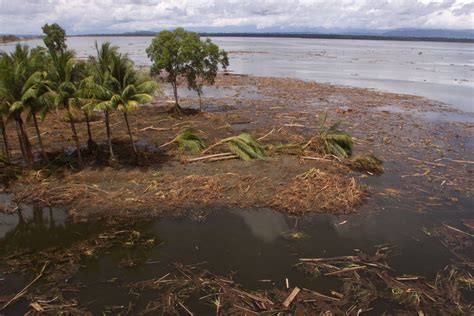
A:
{"x": 116, "y": 16}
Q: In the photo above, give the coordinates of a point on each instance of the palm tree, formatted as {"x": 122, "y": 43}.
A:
{"x": 36, "y": 103}
{"x": 95, "y": 88}
{"x": 20, "y": 77}
{"x": 129, "y": 89}
{"x": 64, "y": 75}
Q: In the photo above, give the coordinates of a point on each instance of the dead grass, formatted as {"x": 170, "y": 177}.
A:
{"x": 318, "y": 190}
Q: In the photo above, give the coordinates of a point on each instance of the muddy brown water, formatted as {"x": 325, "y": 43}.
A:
{"x": 251, "y": 244}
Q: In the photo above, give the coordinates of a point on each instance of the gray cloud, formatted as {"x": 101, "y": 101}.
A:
{"x": 91, "y": 16}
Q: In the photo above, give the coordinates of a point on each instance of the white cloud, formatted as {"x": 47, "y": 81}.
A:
{"x": 94, "y": 16}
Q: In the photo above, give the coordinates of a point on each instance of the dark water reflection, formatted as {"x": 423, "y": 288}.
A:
{"x": 253, "y": 244}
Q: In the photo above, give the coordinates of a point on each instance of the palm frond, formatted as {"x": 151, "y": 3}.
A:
{"x": 246, "y": 147}
{"x": 188, "y": 139}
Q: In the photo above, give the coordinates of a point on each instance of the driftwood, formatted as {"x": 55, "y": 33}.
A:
{"x": 291, "y": 297}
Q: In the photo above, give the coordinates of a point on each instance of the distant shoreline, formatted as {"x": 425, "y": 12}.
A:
{"x": 302, "y": 35}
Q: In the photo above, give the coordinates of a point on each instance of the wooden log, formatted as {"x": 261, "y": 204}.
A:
{"x": 291, "y": 297}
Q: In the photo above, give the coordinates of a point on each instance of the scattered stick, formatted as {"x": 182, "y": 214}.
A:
{"x": 168, "y": 143}
{"x": 458, "y": 230}
{"x": 347, "y": 258}
{"x": 324, "y": 297}
{"x": 345, "y": 270}
{"x": 293, "y": 125}
{"x": 184, "y": 307}
{"x": 224, "y": 158}
{"x": 454, "y": 160}
{"x": 315, "y": 158}
{"x": 151, "y": 127}
{"x": 291, "y": 297}
{"x": 408, "y": 278}
{"x": 25, "y": 289}
{"x": 209, "y": 156}
{"x": 426, "y": 162}
{"x": 267, "y": 134}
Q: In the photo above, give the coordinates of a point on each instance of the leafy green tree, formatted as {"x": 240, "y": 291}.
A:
{"x": 182, "y": 55}
{"x": 203, "y": 70}
{"x": 55, "y": 37}
{"x": 20, "y": 77}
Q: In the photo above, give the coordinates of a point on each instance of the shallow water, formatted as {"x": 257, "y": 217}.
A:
{"x": 431, "y": 116}
{"x": 252, "y": 243}
{"x": 439, "y": 71}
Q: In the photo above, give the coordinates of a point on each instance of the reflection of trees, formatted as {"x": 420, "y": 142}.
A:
{"x": 130, "y": 245}
{"x": 34, "y": 233}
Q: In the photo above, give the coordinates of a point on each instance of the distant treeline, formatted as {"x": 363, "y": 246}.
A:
{"x": 310, "y": 35}
{"x": 8, "y": 38}
{"x": 14, "y": 38}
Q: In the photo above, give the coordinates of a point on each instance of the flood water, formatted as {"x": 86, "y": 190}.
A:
{"x": 438, "y": 71}
{"x": 254, "y": 243}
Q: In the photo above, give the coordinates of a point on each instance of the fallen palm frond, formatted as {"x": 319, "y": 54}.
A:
{"x": 187, "y": 139}
{"x": 315, "y": 190}
{"x": 246, "y": 147}
{"x": 366, "y": 163}
{"x": 243, "y": 145}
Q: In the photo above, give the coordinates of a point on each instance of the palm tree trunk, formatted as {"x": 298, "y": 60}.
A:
{"x": 40, "y": 141}
{"x": 74, "y": 135}
{"x": 28, "y": 154}
{"x": 91, "y": 145}
{"x": 125, "y": 116}
{"x": 89, "y": 133}
{"x": 20, "y": 141}
{"x": 6, "y": 147}
{"x": 107, "y": 127}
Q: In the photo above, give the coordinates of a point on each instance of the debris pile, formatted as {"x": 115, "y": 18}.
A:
{"x": 366, "y": 279}
{"x": 318, "y": 190}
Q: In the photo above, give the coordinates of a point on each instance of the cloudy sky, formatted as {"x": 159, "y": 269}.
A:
{"x": 97, "y": 16}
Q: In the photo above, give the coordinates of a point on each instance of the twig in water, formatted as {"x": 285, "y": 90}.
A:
{"x": 25, "y": 289}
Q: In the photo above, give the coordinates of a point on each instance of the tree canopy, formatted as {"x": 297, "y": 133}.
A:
{"x": 183, "y": 55}
{"x": 55, "y": 37}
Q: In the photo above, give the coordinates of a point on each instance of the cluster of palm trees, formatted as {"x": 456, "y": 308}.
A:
{"x": 37, "y": 82}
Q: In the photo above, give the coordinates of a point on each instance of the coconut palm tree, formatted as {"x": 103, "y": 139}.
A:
{"x": 64, "y": 76}
{"x": 129, "y": 89}
{"x": 95, "y": 88}
{"x": 36, "y": 104}
{"x": 20, "y": 78}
